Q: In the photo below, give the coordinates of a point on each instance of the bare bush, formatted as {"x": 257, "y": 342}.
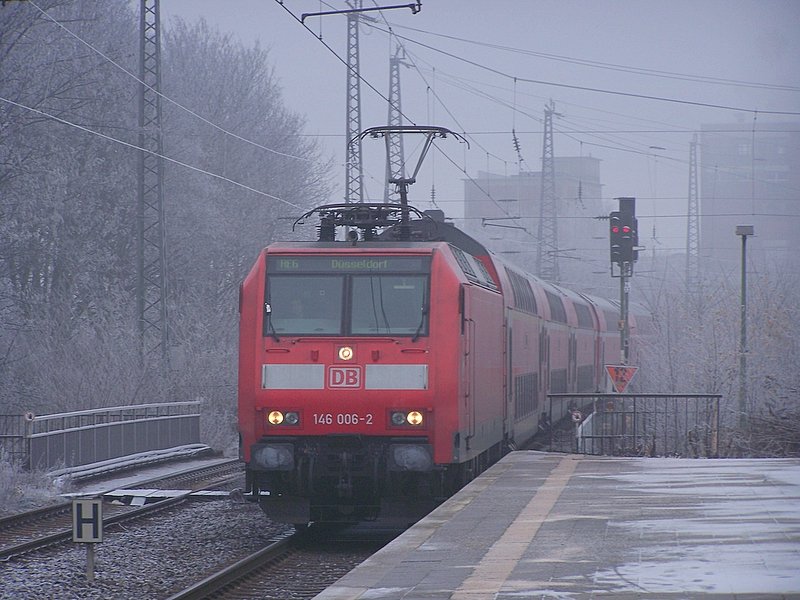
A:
{"x": 695, "y": 348}
{"x": 22, "y": 490}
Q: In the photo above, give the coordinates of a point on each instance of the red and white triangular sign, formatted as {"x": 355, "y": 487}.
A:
{"x": 621, "y": 376}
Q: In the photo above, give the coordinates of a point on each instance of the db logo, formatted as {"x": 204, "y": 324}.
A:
{"x": 344, "y": 377}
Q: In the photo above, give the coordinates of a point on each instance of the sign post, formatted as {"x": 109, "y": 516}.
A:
{"x": 87, "y": 528}
{"x": 621, "y": 376}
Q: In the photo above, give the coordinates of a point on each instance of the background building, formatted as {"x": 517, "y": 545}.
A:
{"x": 503, "y": 212}
{"x": 750, "y": 176}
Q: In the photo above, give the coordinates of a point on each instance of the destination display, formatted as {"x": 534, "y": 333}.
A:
{"x": 344, "y": 264}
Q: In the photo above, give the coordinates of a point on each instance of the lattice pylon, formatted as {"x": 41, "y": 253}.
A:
{"x": 151, "y": 248}
{"x": 395, "y": 165}
{"x": 354, "y": 168}
{"x": 693, "y": 224}
{"x": 546, "y": 258}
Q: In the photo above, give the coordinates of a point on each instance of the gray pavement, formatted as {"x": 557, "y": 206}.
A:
{"x": 539, "y": 525}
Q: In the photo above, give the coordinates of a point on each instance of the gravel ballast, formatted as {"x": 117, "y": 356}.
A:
{"x": 148, "y": 559}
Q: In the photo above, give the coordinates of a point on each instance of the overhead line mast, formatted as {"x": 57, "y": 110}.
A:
{"x": 353, "y": 166}
{"x": 395, "y": 164}
{"x": 547, "y": 256}
{"x": 693, "y": 225}
{"x": 151, "y": 281}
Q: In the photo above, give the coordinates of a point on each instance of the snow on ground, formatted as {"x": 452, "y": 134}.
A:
{"x": 743, "y": 535}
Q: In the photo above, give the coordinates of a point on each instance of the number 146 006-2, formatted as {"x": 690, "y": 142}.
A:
{"x": 342, "y": 419}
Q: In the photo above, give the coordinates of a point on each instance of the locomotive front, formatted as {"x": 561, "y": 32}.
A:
{"x": 337, "y": 389}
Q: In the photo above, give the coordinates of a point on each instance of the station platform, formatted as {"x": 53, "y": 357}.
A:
{"x": 555, "y": 526}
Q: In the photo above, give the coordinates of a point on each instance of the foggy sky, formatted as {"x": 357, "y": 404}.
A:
{"x": 643, "y": 144}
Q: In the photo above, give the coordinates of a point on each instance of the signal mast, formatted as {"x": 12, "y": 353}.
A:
{"x": 624, "y": 246}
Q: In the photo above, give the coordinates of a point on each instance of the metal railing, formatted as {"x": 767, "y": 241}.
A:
{"x": 635, "y": 424}
{"x": 87, "y": 436}
{"x": 13, "y": 439}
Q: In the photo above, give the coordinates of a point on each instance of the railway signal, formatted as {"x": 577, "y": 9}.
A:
{"x": 624, "y": 239}
{"x": 615, "y": 237}
{"x": 624, "y": 236}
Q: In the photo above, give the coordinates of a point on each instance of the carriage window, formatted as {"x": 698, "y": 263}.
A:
{"x": 584, "y": 316}
{"x": 305, "y": 304}
{"x": 557, "y": 312}
{"x": 523, "y": 294}
{"x": 389, "y": 304}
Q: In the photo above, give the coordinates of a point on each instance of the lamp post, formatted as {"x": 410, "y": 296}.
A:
{"x": 744, "y": 231}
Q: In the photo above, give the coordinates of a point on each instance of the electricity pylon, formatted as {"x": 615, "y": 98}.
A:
{"x": 547, "y": 258}
{"x": 693, "y": 225}
{"x": 151, "y": 283}
{"x": 353, "y": 167}
{"x": 395, "y": 165}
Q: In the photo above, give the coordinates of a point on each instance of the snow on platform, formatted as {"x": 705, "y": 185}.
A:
{"x": 540, "y": 525}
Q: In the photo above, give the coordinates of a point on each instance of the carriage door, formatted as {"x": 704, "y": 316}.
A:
{"x": 573, "y": 362}
{"x": 544, "y": 369}
{"x": 508, "y": 380}
{"x": 468, "y": 363}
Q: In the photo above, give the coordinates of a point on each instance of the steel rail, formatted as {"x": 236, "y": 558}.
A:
{"x": 238, "y": 571}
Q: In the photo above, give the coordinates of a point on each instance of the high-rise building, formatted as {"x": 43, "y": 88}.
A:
{"x": 503, "y": 212}
{"x": 750, "y": 176}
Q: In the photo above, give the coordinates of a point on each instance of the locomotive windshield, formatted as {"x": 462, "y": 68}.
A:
{"x": 305, "y": 304}
{"x": 315, "y": 295}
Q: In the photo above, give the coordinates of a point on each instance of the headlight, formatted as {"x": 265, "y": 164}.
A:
{"x": 277, "y": 417}
{"x": 410, "y": 418}
{"x": 414, "y": 418}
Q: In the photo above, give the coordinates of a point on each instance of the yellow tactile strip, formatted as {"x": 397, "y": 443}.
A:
{"x": 489, "y": 575}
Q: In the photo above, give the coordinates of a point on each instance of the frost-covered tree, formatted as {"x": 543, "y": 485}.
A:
{"x": 695, "y": 349}
{"x": 65, "y": 209}
{"x": 68, "y": 115}
{"x": 217, "y": 225}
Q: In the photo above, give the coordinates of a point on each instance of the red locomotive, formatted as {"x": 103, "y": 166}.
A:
{"x": 379, "y": 374}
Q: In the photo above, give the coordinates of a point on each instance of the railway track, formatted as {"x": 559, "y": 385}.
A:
{"x": 293, "y": 566}
{"x": 34, "y": 530}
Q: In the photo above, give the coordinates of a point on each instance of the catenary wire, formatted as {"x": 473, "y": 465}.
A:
{"x": 610, "y": 66}
{"x": 167, "y": 98}
{"x": 135, "y": 147}
{"x": 373, "y": 88}
{"x": 594, "y": 89}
